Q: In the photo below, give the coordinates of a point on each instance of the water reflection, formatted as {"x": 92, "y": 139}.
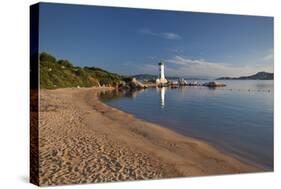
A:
{"x": 162, "y": 96}
{"x": 135, "y": 93}
{"x": 116, "y": 94}
{"x": 237, "y": 118}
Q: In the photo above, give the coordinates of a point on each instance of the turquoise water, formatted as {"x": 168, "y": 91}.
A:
{"x": 237, "y": 119}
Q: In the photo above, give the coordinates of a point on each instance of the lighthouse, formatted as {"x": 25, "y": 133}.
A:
{"x": 161, "y": 71}
{"x": 161, "y": 79}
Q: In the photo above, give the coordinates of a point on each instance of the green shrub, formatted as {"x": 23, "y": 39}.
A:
{"x": 47, "y": 57}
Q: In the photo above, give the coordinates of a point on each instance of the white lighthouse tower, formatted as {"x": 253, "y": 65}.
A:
{"x": 161, "y": 71}
{"x": 161, "y": 79}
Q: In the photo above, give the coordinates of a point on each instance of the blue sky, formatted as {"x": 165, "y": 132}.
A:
{"x": 133, "y": 41}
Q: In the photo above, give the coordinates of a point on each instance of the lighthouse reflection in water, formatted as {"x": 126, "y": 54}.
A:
{"x": 162, "y": 91}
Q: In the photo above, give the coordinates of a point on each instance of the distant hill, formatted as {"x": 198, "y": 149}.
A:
{"x": 145, "y": 76}
{"x": 257, "y": 76}
{"x": 61, "y": 73}
{"x": 153, "y": 77}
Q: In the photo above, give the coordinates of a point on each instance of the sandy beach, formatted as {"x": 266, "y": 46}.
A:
{"x": 82, "y": 140}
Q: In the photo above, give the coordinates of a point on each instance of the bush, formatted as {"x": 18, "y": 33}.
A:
{"x": 65, "y": 63}
{"x": 47, "y": 57}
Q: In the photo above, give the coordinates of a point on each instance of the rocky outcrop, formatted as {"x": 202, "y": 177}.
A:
{"x": 135, "y": 84}
{"x": 132, "y": 85}
{"x": 214, "y": 84}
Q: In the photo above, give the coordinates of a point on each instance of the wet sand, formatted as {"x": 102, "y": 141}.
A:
{"x": 82, "y": 140}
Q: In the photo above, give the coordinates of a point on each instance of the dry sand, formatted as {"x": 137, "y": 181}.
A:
{"x": 82, "y": 140}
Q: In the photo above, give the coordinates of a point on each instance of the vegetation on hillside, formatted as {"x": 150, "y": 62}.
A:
{"x": 61, "y": 74}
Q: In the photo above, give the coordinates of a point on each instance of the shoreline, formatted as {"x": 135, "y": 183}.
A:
{"x": 223, "y": 149}
{"x": 84, "y": 140}
{"x": 213, "y": 145}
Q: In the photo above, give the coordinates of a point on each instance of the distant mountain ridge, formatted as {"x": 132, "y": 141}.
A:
{"x": 153, "y": 77}
{"x": 257, "y": 76}
{"x": 145, "y": 76}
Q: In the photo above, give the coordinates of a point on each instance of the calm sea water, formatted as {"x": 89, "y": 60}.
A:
{"x": 237, "y": 119}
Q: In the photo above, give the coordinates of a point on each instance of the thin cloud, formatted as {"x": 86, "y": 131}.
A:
{"x": 149, "y": 68}
{"x": 181, "y": 66}
{"x": 269, "y": 55}
{"x": 172, "y": 36}
{"x": 164, "y": 35}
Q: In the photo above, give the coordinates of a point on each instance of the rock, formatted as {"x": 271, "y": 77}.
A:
{"x": 214, "y": 84}
{"x": 135, "y": 84}
{"x": 131, "y": 85}
{"x": 161, "y": 82}
{"x": 123, "y": 86}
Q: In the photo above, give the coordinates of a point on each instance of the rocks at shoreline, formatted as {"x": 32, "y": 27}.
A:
{"x": 131, "y": 85}
{"x": 214, "y": 84}
{"x": 134, "y": 84}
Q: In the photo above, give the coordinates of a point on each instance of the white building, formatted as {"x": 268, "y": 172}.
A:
{"x": 161, "y": 79}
